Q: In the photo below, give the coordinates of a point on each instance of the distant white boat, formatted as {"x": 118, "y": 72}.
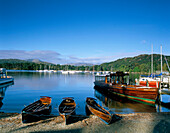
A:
{"x": 71, "y": 72}
{"x": 40, "y": 70}
{"x": 4, "y": 78}
{"x": 48, "y": 71}
{"x": 68, "y": 72}
{"x": 65, "y": 72}
{"x": 86, "y": 71}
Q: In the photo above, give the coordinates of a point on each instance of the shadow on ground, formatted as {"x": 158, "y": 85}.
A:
{"x": 61, "y": 131}
{"x": 37, "y": 118}
{"x": 76, "y": 118}
{"x": 5, "y": 115}
{"x": 162, "y": 127}
{"x": 57, "y": 119}
{"x": 28, "y": 125}
{"x": 115, "y": 118}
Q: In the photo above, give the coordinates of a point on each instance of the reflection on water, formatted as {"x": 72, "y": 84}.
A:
{"x": 123, "y": 105}
{"x": 29, "y": 86}
{"x": 2, "y": 91}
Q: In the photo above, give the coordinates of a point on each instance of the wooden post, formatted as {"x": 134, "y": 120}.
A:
{"x": 157, "y": 83}
{"x": 122, "y": 80}
{"x": 147, "y": 84}
{"x": 168, "y": 82}
{"x": 158, "y": 100}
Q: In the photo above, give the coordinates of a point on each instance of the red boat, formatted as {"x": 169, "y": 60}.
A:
{"x": 147, "y": 81}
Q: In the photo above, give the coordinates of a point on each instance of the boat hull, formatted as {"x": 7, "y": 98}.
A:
{"x": 28, "y": 117}
{"x": 97, "y": 110}
{"x": 66, "y": 117}
{"x": 150, "y": 83}
{"x": 134, "y": 92}
{"x": 67, "y": 109}
{"x": 36, "y": 110}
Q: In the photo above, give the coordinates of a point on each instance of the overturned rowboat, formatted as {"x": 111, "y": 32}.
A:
{"x": 34, "y": 111}
{"x": 99, "y": 111}
{"x": 67, "y": 108}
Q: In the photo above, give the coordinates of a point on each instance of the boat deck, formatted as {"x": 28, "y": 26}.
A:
{"x": 6, "y": 80}
{"x": 166, "y": 91}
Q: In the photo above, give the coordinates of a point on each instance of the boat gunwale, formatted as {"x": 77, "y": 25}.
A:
{"x": 38, "y": 109}
{"x": 100, "y": 112}
{"x": 67, "y": 113}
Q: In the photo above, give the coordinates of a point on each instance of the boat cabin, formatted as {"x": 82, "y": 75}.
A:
{"x": 2, "y": 72}
{"x": 118, "y": 77}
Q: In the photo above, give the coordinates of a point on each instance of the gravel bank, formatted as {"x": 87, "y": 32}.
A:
{"x": 129, "y": 123}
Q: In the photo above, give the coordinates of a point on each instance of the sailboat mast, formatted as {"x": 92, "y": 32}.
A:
{"x": 161, "y": 58}
{"x": 167, "y": 63}
{"x": 152, "y": 60}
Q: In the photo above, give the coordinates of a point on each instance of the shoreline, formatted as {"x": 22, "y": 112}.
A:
{"x": 129, "y": 123}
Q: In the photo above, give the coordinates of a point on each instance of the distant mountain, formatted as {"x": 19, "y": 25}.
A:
{"x": 24, "y": 61}
{"x": 141, "y": 63}
{"x": 12, "y": 61}
{"x": 80, "y": 64}
{"x": 31, "y": 64}
{"x": 34, "y": 60}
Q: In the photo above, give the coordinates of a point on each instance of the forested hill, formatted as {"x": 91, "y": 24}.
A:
{"x": 141, "y": 63}
{"x": 17, "y": 64}
{"x": 35, "y": 64}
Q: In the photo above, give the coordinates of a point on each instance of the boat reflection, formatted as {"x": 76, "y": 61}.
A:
{"x": 3, "y": 90}
{"x": 121, "y": 105}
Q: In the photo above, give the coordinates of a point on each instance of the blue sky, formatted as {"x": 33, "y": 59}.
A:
{"x": 94, "y": 31}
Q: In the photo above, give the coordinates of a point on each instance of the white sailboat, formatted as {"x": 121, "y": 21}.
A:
{"x": 154, "y": 81}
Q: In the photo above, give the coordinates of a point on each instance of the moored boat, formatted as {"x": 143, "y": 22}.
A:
{"x": 34, "y": 111}
{"x": 117, "y": 83}
{"x": 4, "y": 78}
{"x": 154, "y": 81}
{"x": 67, "y": 108}
{"x": 97, "y": 110}
{"x": 146, "y": 81}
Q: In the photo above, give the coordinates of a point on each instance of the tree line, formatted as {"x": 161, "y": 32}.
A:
{"x": 141, "y": 63}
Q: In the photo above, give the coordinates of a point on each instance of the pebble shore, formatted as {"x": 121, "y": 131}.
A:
{"x": 127, "y": 123}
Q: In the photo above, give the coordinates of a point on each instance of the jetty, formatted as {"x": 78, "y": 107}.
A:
{"x": 4, "y": 78}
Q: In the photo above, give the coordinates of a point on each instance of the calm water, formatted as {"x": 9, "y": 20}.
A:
{"x": 29, "y": 86}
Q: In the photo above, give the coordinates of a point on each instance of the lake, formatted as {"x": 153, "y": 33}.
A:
{"x": 29, "y": 86}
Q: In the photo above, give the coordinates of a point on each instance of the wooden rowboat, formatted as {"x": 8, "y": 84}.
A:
{"x": 67, "y": 108}
{"x": 97, "y": 110}
{"x": 35, "y": 110}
